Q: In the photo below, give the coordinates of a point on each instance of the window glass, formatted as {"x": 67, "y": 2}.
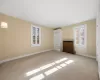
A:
{"x": 80, "y": 35}
{"x": 35, "y": 36}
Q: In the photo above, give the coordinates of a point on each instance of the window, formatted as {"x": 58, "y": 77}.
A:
{"x": 4, "y": 25}
{"x": 35, "y": 36}
{"x": 80, "y": 35}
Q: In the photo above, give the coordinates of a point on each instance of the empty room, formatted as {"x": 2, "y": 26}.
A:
{"x": 49, "y": 40}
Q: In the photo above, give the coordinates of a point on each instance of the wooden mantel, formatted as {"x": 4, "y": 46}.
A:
{"x": 68, "y": 46}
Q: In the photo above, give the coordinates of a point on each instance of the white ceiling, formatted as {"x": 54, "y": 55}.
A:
{"x": 51, "y": 13}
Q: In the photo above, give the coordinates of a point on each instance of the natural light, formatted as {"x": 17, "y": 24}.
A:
{"x": 59, "y": 65}
{"x": 38, "y": 77}
{"x": 63, "y": 65}
{"x": 45, "y": 67}
{"x": 51, "y": 71}
{"x": 69, "y": 61}
{"x": 58, "y": 61}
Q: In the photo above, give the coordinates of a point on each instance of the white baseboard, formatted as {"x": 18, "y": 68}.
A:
{"x": 87, "y": 56}
{"x": 22, "y": 56}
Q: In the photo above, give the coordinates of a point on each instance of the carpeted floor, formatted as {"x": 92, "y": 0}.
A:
{"x": 50, "y": 65}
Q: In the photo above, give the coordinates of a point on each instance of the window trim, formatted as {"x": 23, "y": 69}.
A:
{"x": 33, "y": 45}
{"x": 85, "y": 39}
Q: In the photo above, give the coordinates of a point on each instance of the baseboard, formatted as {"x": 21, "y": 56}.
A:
{"x": 87, "y": 56}
{"x": 22, "y": 56}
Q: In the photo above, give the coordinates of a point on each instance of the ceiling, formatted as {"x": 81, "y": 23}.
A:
{"x": 51, "y": 13}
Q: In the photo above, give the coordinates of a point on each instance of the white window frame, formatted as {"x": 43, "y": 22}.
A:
{"x": 85, "y": 39}
{"x": 32, "y": 45}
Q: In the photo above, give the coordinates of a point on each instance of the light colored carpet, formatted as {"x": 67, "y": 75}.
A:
{"x": 50, "y": 66}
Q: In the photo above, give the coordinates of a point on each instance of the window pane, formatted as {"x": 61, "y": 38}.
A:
{"x": 34, "y": 40}
{"x": 38, "y": 35}
{"x": 77, "y": 35}
{"x": 34, "y": 29}
{"x": 82, "y": 36}
{"x": 34, "y": 35}
{"x": 82, "y": 31}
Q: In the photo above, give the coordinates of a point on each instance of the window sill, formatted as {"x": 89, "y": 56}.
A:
{"x": 35, "y": 45}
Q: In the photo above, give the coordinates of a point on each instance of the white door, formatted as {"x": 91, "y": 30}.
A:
{"x": 58, "y": 40}
{"x": 98, "y": 42}
{"x": 98, "y": 39}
